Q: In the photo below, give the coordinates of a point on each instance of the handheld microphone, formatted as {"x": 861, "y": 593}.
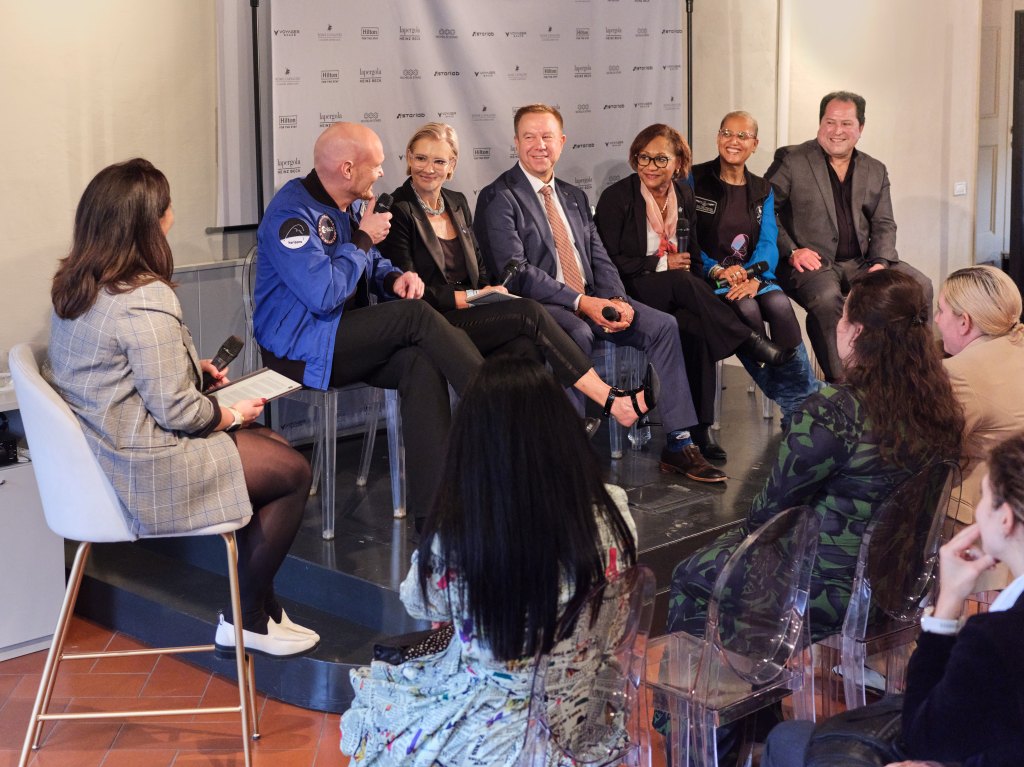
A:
{"x": 682, "y": 235}
{"x": 611, "y": 314}
{"x": 754, "y": 270}
{"x": 227, "y": 352}
{"x": 512, "y": 268}
{"x": 384, "y": 202}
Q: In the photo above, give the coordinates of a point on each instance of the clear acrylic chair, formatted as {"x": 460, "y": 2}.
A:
{"x": 80, "y": 504}
{"x": 893, "y": 581}
{"x": 587, "y": 704}
{"x": 748, "y": 657}
{"x": 325, "y": 422}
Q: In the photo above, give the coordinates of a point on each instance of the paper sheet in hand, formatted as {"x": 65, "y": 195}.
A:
{"x": 263, "y": 383}
{"x": 489, "y": 298}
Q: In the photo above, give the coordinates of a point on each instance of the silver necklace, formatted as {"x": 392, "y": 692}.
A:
{"x": 431, "y": 211}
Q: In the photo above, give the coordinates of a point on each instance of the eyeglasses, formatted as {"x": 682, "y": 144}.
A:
{"x": 742, "y": 135}
{"x": 421, "y": 161}
{"x": 661, "y": 161}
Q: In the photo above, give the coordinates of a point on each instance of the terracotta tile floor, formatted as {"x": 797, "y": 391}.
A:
{"x": 291, "y": 737}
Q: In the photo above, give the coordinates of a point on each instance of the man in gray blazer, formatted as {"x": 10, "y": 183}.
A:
{"x": 570, "y": 273}
{"x": 835, "y": 221}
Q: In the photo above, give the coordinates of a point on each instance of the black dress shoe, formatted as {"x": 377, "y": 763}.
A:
{"x": 709, "y": 448}
{"x": 764, "y": 351}
{"x": 690, "y": 463}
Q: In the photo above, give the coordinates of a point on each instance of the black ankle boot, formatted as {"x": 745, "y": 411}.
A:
{"x": 762, "y": 350}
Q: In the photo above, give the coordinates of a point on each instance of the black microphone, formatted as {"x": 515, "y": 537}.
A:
{"x": 611, "y": 314}
{"x": 682, "y": 235}
{"x": 384, "y": 202}
{"x": 512, "y": 268}
{"x": 755, "y": 270}
{"x": 225, "y": 354}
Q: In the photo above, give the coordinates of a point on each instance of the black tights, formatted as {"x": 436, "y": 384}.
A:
{"x": 772, "y": 307}
{"x": 277, "y": 478}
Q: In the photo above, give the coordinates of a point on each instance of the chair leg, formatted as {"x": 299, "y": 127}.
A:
{"x": 719, "y": 370}
{"x": 396, "y": 453}
{"x": 369, "y": 436}
{"x": 611, "y": 376}
{"x": 53, "y": 657}
{"x": 244, "y": 697}
{"x": 329, "y": 456}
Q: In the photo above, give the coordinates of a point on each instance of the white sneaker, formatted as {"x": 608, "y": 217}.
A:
{"x": 278, "y": 642}
{"x": 290, "y": 625}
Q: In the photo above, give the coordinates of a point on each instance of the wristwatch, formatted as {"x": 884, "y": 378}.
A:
{"x": 237, "y": 422}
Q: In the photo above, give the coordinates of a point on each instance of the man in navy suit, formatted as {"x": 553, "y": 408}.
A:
{"x": 527, "y": 214}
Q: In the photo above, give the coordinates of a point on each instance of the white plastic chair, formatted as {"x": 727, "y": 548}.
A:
{"x": 326, "y": 422}
{"x": 80, "y": 504}
{"x": 748, "y": 657}
{"x": 587, "y": 704}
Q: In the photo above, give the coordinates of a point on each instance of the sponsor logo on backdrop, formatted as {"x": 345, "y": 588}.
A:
{"x": 481, "y": 153}
{"x": 446, "y": 115}
{"x": 286, "y": 33}
{"x": 671, "y": 104}
{"x": 289, "y": 168}
{"x": 642, "y": 104}
{"x": 612, "y": 178}
{"x": 550, "y": 73}
{"x": 583, "y": 146}
{"x": 410, "y": 115}
{"x": 409, "y": 33}
{"x": 330, "y": 35}
{"x": 446, "y": 73}
{"x": 671, "y": 31}
{"x": 583, "y": 109}
{"x": 483, "y": 73}
{"x": 410, "y": 74}
{"x": 644, "y": 68}
{"x": 516, "y": 35}
{"x": 582, "y": 33}
{"x": 613, "y": 33}
{"x": 287, "y": 78}
{"x": 294, "y": 233}
{"x": 370, "y": 76}
{"x": 582, "y": 71}
{"x": 285, "y": 122}
{"x": 613, "y": 144}
{"x": 446, "y": 33}
{"x": 586, "y": 183}
{"x": 551, "y": 36}
{"x": 512, "y": 153}
{"x": 671, "y": 67}
{"x": 614, "y": 106}
{"x": 482, "y": 34}
{"x": 369, "y": 33}
{"x": 642, "y": 32}
{"x": 517, "y": 74}
{"x": 327, "y": 119}
{"x": 330, "y": 76}
{"x": 370, "y": 117}
{"x": 483, "y": 116}
{"x": 614, "y": 69}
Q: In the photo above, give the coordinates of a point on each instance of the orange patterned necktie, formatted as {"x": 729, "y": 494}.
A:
{"x": 563, "y": 245}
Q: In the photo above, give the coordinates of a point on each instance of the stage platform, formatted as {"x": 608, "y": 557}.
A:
{"x": 170, "y": 591}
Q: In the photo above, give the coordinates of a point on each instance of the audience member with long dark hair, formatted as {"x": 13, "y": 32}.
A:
{"x": 125, "y": 363}
{"x": 964, "y": 699}
{"x": 521, "y": 530}
{"x": 848, "y": 447}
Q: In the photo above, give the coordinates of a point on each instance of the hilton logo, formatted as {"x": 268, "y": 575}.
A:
{"x": 287, "y": 121}
{"x": 370, "y": 33}
{"x": 369, "y": 76}
{"x": 512, "y": 153}
{"x": 327, "y": 119}
{"x": 550, "y": 73}
{"x": 481, "y": 153}
{"x": 583, "y": 146}
{"x": 582, "y": 72}
{"x": 644, "y": 68}
{"x": 410, "y": 74}
{"x": 446, "y": 33}
{"x": 582, "y": 33}
{"x": 613, "y": 33}
{"x": 289, "y": 167}
{"x": 329, "y": 76}
{"x": 408, "y": 33}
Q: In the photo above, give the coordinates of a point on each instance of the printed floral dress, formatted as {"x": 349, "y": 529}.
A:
{"x": 460, "y": 707}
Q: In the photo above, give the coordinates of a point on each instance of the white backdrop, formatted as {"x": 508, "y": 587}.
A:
{"x": 612, "y": 67}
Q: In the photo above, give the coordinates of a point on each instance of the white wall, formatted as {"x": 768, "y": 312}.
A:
{"x": 85, "y": 85}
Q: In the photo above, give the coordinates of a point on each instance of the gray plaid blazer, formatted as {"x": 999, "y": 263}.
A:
{"x": 129, "y": 371}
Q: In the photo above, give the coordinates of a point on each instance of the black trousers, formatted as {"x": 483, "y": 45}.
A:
{"x": 708, "y": 329}
{"x": 522, "y": 327}
{"x": 406, "y": 345}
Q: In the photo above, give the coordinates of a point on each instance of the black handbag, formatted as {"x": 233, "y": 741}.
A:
{"x": 415, "y": 645}
{"x": 868, "y": 736}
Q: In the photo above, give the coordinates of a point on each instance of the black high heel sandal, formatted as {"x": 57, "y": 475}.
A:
{"x": 651, "y": 388}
